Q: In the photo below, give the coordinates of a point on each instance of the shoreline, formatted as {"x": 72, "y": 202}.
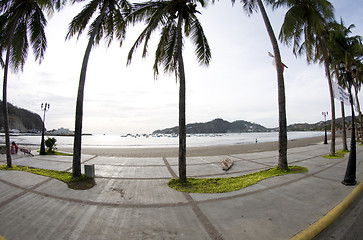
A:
{"x": 195, "y": 151}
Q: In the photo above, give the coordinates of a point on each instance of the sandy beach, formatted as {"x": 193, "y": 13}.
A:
{"x": 195, "y": 151}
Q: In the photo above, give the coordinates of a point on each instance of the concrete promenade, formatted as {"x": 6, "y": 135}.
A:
{"x": 131, "y": 199}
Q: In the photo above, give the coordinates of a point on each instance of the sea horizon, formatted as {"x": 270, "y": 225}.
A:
{"x": 162, "y": 141}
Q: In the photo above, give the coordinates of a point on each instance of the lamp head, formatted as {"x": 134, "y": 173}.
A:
{"x": 342, "y": 65}
{"x": 341, "y": 68}
{"x": 354, "y": 68}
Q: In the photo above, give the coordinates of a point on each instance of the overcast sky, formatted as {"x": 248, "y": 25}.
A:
{"x": 239, "y": 84}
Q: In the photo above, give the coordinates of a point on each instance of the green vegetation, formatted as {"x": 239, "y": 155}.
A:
{"x": 221, "y": 185}
{"x": 51, "y": 144}
{"x": 339, "y": 154}
{"x": 81, "y": 183}
{"x": 58, "y": 153}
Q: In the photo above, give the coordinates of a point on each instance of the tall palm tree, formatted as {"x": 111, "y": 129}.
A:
{"x": 108, "y": 23}
{"x": 336, "y": 42}
{"x": 308, "y": 19}
{"x": 19, "y": 21}
{"x": 345, "y": 48}
{"x": 355, "y": 50}
{"x": 172, "y": 17}
{"x": 250, "y": 6}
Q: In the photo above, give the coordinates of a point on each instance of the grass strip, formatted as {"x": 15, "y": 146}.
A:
{"x": 229, "y": 184}
{"x": 58, "y": 153}
{"x": 81, "y": 183}
{"x": 339, "y": 154}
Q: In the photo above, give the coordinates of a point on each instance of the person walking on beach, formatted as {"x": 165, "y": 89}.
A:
{"x": 14, "y": 148}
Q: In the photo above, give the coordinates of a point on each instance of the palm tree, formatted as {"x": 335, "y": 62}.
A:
{"x": 344, "y": 48}
{"x": 336, "y": 42}
{"x": 249, "y": 6}
{"x": 172, "y": 17}
{"x": 308, "y": 19}
{"x": 355, "y": 49}
{"x": 109, "y": 21}
{"x": 19, "y": 21}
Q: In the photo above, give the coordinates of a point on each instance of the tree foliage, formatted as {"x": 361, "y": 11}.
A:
{"x": 173, "y": 18}
{"x": 50, "y": 143}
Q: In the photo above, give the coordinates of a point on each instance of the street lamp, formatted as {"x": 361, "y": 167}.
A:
{"x": 44, "y": 107}
{"x": 349, "y": 178}
{"x": 326, "y": 138}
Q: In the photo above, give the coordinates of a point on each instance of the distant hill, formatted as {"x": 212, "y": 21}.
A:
{"x": 21, "y": 119}
{"x": 216, "y": 126}
{"x": 222, "y": 126}
{"x": 319, "y": 126}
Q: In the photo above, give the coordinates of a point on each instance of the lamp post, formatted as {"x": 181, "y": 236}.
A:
{"x": 44, "y": 107}
{"x": 350, "y": 173}
{"x": 326, "y": 138}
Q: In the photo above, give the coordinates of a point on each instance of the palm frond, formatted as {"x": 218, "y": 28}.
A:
{"x": 167, "y": 49}
{"x": 97, "y": 28}
{"x": 5, "y": 5}
{"x": 109, "y": 28}
{"x": 19, "y": 46}
{"x": 48, "y": 5}
{"x": 249, "y": 6}
{"x": 153, "y": 17}
{"x": 163, "y": 14}
{"x": 141, "y": 11}
{"x": 59, "y": 4}
{"x": 120, "y": 26}
{"x": 200, "y": 41}
{"x": 137, "y": 43}
{"x": 79, "y": 22}
{"x": 37, "y": 34}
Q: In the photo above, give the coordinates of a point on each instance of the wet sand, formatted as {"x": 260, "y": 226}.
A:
{"x": 196, "y": 151}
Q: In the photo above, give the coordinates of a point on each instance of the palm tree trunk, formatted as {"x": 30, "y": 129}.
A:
{"x": 327, "y": 73}
{"x": 77, "y": 145}
{"x": 5, "y": 92}
{"x": 281, "y": 91}
{"x": 5, "y": 109}
{"x": 360, "y": 135}
{"x": 182, "y": 127}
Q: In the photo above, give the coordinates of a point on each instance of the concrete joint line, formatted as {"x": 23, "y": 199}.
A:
{"x": 82, "y": 162}
{"x": 249, "y": 160}
{"x": 89, "y": 159}
{"x": 24, "y": 190}
{"x": 171, "y": 171}
{"x": 208, "y": 226}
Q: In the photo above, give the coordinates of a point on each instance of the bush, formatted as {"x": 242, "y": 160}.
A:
{"x": 50, "y": 143}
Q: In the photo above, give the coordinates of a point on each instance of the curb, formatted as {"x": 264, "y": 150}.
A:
{"x": 330, "y": 217}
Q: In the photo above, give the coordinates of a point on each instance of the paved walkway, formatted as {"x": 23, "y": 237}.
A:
{"x": 132, "y": 200}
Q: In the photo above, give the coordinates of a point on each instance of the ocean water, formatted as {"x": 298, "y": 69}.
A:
{"x": 194, "y": 140}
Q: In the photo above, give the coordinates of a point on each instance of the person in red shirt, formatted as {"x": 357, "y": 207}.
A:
{"x": 14, "y": 148}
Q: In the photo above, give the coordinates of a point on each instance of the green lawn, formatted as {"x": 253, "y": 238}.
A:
{"x": 229, "y": 184}
{"x": 339, "y": 154}
{"x": 80, "y": 183}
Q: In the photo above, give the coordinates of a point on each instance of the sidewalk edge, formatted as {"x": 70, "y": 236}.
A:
{"x": 315, "y": 228}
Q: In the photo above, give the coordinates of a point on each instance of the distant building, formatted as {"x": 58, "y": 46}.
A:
{"x": 61, "y": 131}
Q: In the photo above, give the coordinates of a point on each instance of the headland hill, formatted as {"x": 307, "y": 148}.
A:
{"x": 219, "y": 125}
{"x": 22, "y": 121}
